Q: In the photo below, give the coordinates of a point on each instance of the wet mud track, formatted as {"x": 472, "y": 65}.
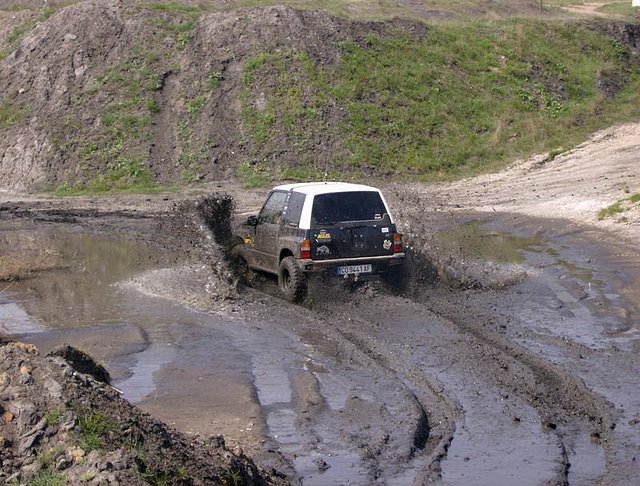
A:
{"x": 519, "y": 364}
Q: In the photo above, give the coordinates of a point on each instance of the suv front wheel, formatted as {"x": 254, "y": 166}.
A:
{"x": 291, "y": 280}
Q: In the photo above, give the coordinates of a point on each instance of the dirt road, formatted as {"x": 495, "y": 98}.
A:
{"x": 511, "y": 357}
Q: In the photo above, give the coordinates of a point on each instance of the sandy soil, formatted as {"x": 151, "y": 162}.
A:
{"x": 587, "y": 9}
{"x": 574, "y": 186}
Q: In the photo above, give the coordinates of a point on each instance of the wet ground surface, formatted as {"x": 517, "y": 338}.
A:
{"x": 519, "y": 364}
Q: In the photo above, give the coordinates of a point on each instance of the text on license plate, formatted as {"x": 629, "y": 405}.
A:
{"x": 351, "y": 269}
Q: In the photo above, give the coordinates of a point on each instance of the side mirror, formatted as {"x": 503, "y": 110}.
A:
{"x": 252, "y": 221}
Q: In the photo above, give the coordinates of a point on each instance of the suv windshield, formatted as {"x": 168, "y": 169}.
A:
{"x": 347, "y": 206}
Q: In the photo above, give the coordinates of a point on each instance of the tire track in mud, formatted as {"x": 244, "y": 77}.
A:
{"x": 356, "y": 353}
{"x": 563, "y": 402}
{"x": 434, "y": 436}
{"x": 556, "y": 394}
{"x": 565, "y": 405}
{"x": 568, "y": 407}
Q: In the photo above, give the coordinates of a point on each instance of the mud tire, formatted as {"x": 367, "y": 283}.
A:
{"x": 292, "y": 281}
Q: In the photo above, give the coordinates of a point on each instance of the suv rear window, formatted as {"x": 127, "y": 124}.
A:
{"x": 347, "y": 206}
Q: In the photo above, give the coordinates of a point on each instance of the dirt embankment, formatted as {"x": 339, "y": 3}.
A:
{"x": 112, "y": 88}
{"x": 109, "y": 93}
{"x": 60, "y": 421}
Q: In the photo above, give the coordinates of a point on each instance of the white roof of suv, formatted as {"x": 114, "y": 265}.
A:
{"x": 313, "y": 188}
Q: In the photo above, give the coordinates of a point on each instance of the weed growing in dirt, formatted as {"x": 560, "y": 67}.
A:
{"x": 12, "y": 113}
{"x": 231, "y": 478}
{"x": 47, "y": 477}
{"x": 94, "y": 430}
{"x": 619, "y": 207}
{"x": 214, "y": 80}
{"x": 53, "y": 417}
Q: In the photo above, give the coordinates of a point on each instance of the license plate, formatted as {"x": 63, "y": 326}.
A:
{"x": 353, "y": 269}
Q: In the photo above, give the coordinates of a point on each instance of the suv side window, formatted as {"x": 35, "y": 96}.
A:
{"x": 294, "y": 209}
{"x": 272, "y": 210}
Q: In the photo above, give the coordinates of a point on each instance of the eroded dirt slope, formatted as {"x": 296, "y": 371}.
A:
{"x": 62, "y": 422}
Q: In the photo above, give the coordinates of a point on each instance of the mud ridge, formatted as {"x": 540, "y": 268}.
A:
{"x": 431, "y": 439}
{"x": 557, "y": 396}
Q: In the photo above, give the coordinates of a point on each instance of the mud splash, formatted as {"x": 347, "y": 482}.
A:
{"x": 202, "y": 229}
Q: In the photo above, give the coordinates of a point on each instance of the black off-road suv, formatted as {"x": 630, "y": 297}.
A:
{"x": 344, "y": 230}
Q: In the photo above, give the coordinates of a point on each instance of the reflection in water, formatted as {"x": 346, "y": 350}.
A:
{"x": 78, "y": 303}
{"x": 471, "y": 241}
{"x": 81, "y": 294}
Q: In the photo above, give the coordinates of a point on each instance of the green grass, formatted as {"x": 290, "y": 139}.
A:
{"x": 94, "y": 430}
{"x": 384, "y": 9}
{"x": 619, "y": 207}
{"x": 47, "y": 477}
{"x": 54, "y": 417}
{"x": 174, "y": 8}
{"x": 12, "y": 113}
{"x": 624, "y": 9}
{"x": 468, "y": 98}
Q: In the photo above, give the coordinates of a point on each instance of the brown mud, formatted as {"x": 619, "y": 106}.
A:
{"x": 510, "y": 356}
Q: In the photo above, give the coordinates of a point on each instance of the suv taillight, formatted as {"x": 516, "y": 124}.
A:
{"x": 397, "y": 243}
{"x": 305, "y": 250}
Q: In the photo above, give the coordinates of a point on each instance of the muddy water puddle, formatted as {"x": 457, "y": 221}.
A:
{"x": 205, "y": 373}
{"x": 268, "y": 377}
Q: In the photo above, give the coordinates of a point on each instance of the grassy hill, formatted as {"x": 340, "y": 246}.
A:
{"x": 103, "y": 96}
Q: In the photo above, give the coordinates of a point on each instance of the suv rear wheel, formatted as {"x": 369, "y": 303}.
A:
{"x": 291, "y": 280}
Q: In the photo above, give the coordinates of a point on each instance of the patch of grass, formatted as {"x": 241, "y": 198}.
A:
{"x": 47, "y": 12}
{"x": 195, "y": 106}
{"x": 467, "y": 98}
{"x": 15, "y": 7}
{"x": 619, "y": 207}
{"x": 615, "y": 208}
{"x": 292, "y": 112}
{"x": 624, "y": 9}
{"x": 231, "y": 477}
{"x": 47, "y": 477}
{"x": 214, "y": 80}
{"x": 54, "y": 417}
{"x": 181, "y": 21}
{"x": 254, "y": 175}
{"x": 12, "y": 113}
{"x": 352, "y": 9}
{"x": 173, "y": 7}
{"x": 94, "y": 430}
{"x": 554, "y": 153}
{"x": 16, "y": 34}
{"x": 88, "y": 476}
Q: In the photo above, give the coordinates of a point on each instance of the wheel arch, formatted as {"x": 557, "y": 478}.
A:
{"x": 284, "y": 253}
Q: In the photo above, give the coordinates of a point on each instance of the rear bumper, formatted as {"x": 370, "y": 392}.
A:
{"x": 379, "y": 263}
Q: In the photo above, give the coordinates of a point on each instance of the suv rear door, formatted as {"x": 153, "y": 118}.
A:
{"x": 350, "y": 225}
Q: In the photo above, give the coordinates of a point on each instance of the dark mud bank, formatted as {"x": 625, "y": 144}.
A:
{"x": 62, "y": 424}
